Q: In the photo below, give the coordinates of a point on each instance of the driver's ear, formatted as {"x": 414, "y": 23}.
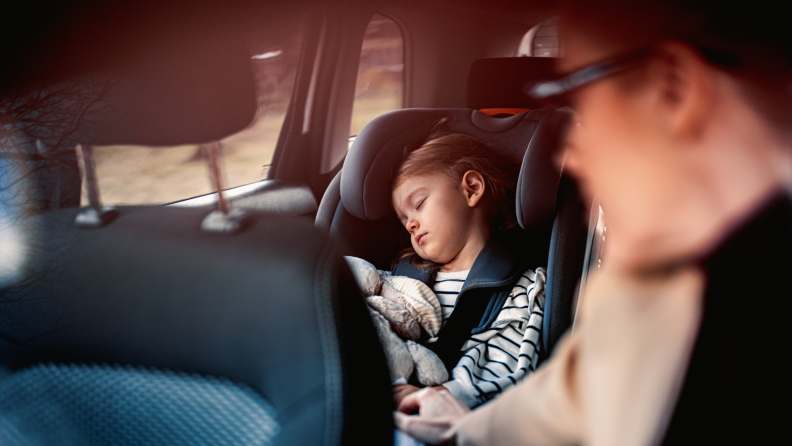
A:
{"x": 473, "y": 187}
{"x": 687, "y": 95}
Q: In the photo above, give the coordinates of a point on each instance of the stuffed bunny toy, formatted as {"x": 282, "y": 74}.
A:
{"x": 403, "y": 311}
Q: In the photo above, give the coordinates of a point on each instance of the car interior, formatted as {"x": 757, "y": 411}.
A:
{"x": 229, "y": 316}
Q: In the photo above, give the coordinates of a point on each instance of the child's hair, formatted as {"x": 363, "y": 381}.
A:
{"x": 453, "y": 154}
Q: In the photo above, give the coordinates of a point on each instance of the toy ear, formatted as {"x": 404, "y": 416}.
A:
{"x": 400, "y": 362}
{"x": 429, "y": 369}
{"x": 418, "y": 299}
{"x": 366, "y": 275}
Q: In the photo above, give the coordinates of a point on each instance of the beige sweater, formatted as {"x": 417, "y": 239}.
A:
{"x": 614, "y": 380}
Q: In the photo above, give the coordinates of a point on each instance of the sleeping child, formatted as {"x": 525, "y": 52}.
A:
{"x": 464, "y": 298}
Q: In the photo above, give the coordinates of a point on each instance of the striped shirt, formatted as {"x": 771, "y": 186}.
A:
{"x": 447, "y": 287}
{"x": 508, "y": 351}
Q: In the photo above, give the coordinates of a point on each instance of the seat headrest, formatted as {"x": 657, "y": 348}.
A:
{"x": 160, "y": 74}
{"x": 498, "y": 82}
{"x": 378, "y": 149}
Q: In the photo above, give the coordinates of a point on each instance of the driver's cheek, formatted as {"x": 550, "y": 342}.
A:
{"x": 573, "y": 157}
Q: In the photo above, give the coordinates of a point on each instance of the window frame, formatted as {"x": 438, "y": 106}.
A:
{"x": 526, "y": 46}
{"x": 404, "y": 94}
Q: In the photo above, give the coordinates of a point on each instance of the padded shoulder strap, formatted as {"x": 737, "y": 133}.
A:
{"x": 490, "y": 281}
{"x": 494, "y": 307}
{"x": 468, "y": 314}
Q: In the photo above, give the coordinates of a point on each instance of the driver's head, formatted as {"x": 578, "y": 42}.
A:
{"x": 690, "y": 132}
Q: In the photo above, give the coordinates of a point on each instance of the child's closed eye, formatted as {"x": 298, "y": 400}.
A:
{"x": 420, "y": 203}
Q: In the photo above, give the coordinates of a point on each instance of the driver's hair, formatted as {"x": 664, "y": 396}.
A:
{"x": 753, "y": 43}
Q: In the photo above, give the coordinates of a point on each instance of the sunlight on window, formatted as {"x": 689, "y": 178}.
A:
{"x": 381, "y": 74}
{"x": 150, "y": 175}
{"x": 542, "y": 40}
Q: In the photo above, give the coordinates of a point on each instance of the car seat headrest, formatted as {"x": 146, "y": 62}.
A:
{"x": 379, "y": 148}
{"x": 138, "y": 84}
{"x": 498, "y": 82}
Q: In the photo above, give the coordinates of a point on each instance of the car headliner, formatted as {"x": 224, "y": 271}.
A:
{"x": 185, "y": 64}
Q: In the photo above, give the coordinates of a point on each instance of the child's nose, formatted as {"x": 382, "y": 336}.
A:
{"x": 412, "y": 225}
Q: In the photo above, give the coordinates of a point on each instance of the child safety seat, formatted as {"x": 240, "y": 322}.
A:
{"x": 356, "y": 207}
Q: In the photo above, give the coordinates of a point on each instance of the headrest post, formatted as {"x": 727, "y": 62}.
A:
{"x": 87, "y": 166}
{"x": 215, "y": 172}
{"x": 95, "y": 215}
{"x": 223, "y": 220}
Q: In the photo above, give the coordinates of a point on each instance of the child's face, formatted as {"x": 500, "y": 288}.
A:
{"x": 444, "y": 223}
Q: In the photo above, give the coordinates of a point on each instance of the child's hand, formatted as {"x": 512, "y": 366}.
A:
{"x": 402, "y": 390}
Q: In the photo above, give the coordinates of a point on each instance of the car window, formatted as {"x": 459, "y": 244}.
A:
{"x": 132, "y": 174}
{"x": 380, "y": 80}
{"x": 541, "y": 40}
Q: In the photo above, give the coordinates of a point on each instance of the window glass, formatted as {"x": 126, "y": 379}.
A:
{"x": 380, "y": 81}
{"x": 541, "y": 40}
{"x": 140, "y": 175}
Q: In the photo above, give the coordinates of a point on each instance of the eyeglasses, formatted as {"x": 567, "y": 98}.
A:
{"x": 585, "y": 75}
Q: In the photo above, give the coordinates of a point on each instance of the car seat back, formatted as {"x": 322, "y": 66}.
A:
{"x": 496, "y": 85}
{"x": 565, "y": 263}
{"x": 150, "y": 331}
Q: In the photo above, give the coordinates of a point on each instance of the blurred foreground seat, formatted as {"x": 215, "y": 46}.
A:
{"x": 149, "y": 331}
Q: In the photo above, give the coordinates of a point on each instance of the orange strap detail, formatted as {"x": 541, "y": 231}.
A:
{"x": 503, "y": 111}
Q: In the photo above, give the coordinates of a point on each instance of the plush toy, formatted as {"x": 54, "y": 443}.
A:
{"x": 404, "y": 311}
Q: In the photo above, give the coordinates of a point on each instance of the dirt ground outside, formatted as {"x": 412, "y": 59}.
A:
{"x": 153, "y": 175}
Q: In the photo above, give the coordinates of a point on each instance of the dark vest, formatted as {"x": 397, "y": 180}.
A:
{"x": 492, "y": 277}
{"x": 737, "y": 386}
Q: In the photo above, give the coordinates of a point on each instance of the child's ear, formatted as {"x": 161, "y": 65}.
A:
{"x": 473, "y": 186}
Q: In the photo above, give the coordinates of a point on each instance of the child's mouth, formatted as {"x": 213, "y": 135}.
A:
{"x": 418, "y": 238}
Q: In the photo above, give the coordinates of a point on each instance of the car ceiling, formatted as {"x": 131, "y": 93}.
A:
{"x": 196, "y": 50}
